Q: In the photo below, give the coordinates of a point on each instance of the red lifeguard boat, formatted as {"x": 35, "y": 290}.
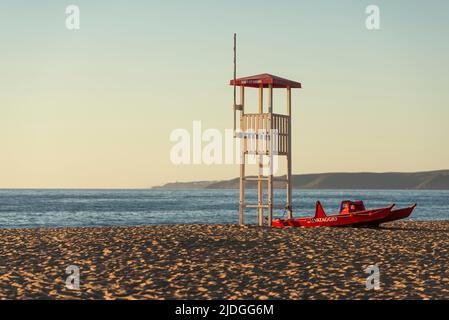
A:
{"x": 352, "y": 213}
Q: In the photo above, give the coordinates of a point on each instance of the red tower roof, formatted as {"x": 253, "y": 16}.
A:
{"x": 265, "y": 79}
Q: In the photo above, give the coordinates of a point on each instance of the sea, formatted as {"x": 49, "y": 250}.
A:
{"x": 35, "y": 208}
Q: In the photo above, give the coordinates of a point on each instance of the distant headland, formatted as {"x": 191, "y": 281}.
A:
{"x": 430, "y": 180}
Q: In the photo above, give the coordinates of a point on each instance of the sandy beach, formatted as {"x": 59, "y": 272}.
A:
{"x": 226, "y": 262}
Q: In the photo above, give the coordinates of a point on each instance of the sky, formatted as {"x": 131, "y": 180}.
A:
{"x": 95, "y": 107}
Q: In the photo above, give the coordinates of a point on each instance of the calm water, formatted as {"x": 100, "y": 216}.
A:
{"x": 56, "y": 208}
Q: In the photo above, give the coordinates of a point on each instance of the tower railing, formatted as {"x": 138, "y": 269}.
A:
{"x": 267, "y": 125}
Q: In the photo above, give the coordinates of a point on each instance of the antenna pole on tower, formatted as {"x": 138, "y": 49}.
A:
{"x": 235, "y": 77}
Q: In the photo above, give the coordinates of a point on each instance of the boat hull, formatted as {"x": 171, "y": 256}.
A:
{"x": 336, "y": 220}
{"x": 394, "y": 215}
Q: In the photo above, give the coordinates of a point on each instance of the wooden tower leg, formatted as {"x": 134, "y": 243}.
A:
{"x": 270, "y": 154}
{"x": 260, "y": 193}
{"x": 260, "y": 163}
{"x": 289, "y": 154}
{"x": 242, "y": 164}
{"x": 289, "y": 188}
{"x": 242, "y": 191}
{"x": 270, "y": 193}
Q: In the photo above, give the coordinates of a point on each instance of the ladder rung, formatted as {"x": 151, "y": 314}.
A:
{"x": 264, "y": 179}
{"x": 256, "y": 205}
{"x": 257, "y": 153}
{"x": 264, "y": 206}
{"x": 256, "y": 179}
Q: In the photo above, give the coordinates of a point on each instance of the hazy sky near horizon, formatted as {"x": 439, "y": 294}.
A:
{"x": 94, "y": 108}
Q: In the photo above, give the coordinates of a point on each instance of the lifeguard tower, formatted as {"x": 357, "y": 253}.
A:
{"x": 262, "y": 125}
